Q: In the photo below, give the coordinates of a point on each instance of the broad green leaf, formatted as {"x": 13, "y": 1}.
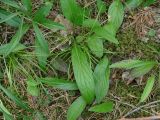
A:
{"x": 116, "y": 14}
{"x": 91, "y": 23}
{"x": 8, "y": 17}
{"x": 110, "y": 28}
{"x": 16, "y": 38}
{"x": 148, "y": 88}
{"x": 142, "y": 70}
{"x": 101, "y": 75}
{"x": 127, "y": 64}
{"x": 101, "y": 6}
{"x": 42, "y": 49}
{"x": 95, "y": 44}
{"x": 15, "y": 21}
{"x": 12, "y": 3}
{"x": 42, "y": 12}
{"x": 32, "y": 87}
{"x": 27, "y": 4}
{"x": 103, "y": 33}
{"x": 59, "y": 83}
{"x": 76, "y": 109}
{"x": 152, "y": 33}
{"x": 72, "y": 11}
{"x": 147, "y": 3}
{"x": 4, "y": 48}
{"x": 17, "y": 100}
{"x": 132, "y": 4}
{"x": 83, "y": 73}
{"x": 102, "y": 108}
{"x": 50, "y": 24}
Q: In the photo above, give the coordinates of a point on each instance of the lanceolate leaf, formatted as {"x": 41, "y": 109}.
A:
{"x": 50, "y": 24}
{"x": 142, "y": 70}
{"x": 101, "y": 75}
{"x": 91, "y": 23}
{"x": 101, "y": 6}
{"x": 103, "y": 33}
{"x": 4, "y": 48}
{"x": 18, "y": 101}
{"x": 72, "y": 11}
{"x": 76, "y": 109}
{"x": 102, "y": 108}
{"x": 8, "y": 17}
{"x": 42, "y": 49}
{"x": 96, "y": 45}
{"x": 127, "y": 64}
{"x": 12, "y": 3}
{"x": 116, "y": 14}
{"x": 148, "y": 88}
{"x": 15, "y": 21}
{"x": 83, "y": 74}
{"x": 131, "y": 4}
{"x": 16, "y": 38}
{"x": 43, "y": 12}
{"x": 59, "y": 83}
{"x": 32, "y": 87}
{"x": 27, "y": 4}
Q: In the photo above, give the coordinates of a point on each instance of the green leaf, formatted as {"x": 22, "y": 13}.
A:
{"x": 91, "y": 23}
{"x": 72, "y": 11}
{"x": 148, "y": 3}
{"x": 76, "y": 109}
{"x": 83, "y": 73}
{"x": 59, "y": 83}
{"x": 101, "y": 6}
{"x": 96, "y": 45}
{"x": 4, "y": 48}
{"x": 27, "y": 4}
{"x": 127, "y": 64}
{"x": 12, "y": 15}
{"x": 32, "y": 87}
{"x": 41, "y": 13}
{"x": 102, "y": 108}
{"x": 148, "y": 88}
{"x": 12, "y": 3}
{"x": 103, "y": 33}
{"x": 152, "y": 32}
{"x": 102, "y": 75}
{"x": 132, "y": 4}
{"x": 15, "y": 21}
{"x": 142, "y": 70}
{"x": 51, "y": 24}
{"x": 42, "y": 49}
{"x": 16, "y": 38}
{"x": 116, "y": 14}
{"x": 18, "y": 101}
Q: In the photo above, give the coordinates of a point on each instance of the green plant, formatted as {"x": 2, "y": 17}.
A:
{"x": 92, "y": 82}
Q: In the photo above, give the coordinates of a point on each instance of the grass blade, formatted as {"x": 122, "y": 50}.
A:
{"x": 101, "y": 75}
{"x": 18, "y": 101}
{"x": 102, "y": 108}
{"x": 42, "y": 49}
{"x": 76, "y": 109}
{"x": 148, "y": 88}
{"x": 83, "y": 74}
{"x": 59, "y": 83}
